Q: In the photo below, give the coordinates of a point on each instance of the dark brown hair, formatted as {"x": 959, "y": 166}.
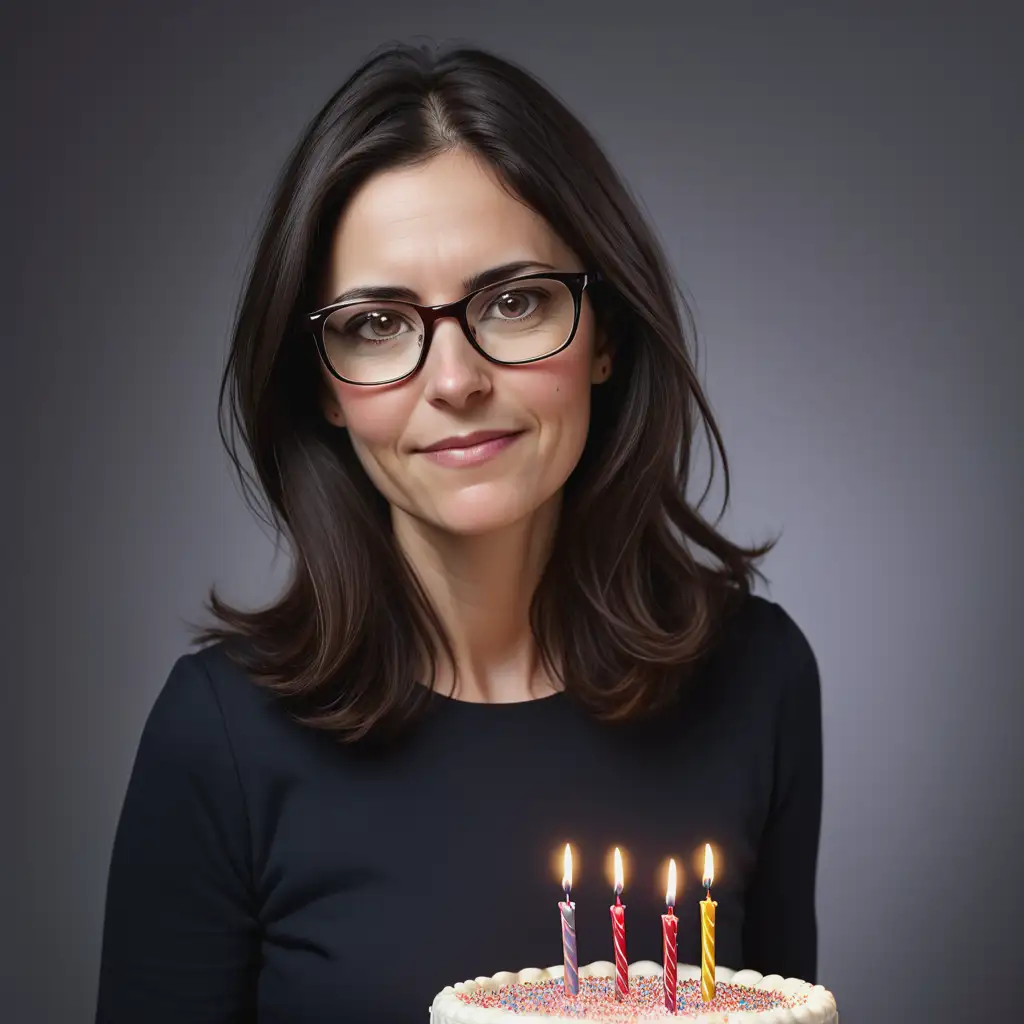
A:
{"x": 625, "y": 608}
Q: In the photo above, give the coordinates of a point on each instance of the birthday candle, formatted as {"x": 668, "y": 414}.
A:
{"x": 707, "y": 931}
{"x": 669, "y": 928}
{"x": 619, "y": 933}
{"x": 568, "y": 912}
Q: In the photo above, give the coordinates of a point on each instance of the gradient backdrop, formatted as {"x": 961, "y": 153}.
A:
{"x": 838, "y": 185}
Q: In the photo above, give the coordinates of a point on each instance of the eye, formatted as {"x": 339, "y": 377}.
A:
{"x": 376, "y": 325}
{"x": 515, "y": 305}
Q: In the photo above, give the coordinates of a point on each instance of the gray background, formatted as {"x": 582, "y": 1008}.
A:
{"x": 837, "y": 186}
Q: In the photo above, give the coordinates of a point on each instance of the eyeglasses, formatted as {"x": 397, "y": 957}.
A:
{"x": 521, "y": 320}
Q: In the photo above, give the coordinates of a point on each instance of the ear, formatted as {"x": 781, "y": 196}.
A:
{"x": 330, "y": 405}
{"x": 334, "y": 414}
{"x": 601, "y": 363}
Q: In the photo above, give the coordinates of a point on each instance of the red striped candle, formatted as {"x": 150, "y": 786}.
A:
{"x": 618, "y": 912}
{"x": 669, "y": 928}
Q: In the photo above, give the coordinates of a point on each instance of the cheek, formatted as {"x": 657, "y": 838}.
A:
{"x": 375, "y": 418}
{"x": 559, "y": 391}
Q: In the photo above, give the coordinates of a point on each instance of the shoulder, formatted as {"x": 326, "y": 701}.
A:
{"x": 761, "y": 652}
{"x": 231, "y": 685}
{"x": 184, "y": 714}
{"x": 205, "y": 702}
{"x": 764, "y": 628}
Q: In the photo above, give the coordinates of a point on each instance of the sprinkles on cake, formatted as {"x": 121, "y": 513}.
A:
{"x": 597, "y": 1002}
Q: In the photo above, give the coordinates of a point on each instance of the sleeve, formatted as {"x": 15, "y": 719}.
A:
{"x": 179, "y": 935}
{"x": 780, "y": 934}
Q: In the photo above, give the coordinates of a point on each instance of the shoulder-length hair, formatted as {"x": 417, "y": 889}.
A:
{"x": 625, "y": 609}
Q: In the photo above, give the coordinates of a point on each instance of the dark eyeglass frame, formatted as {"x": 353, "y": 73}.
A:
{"x": 576, "y": 281}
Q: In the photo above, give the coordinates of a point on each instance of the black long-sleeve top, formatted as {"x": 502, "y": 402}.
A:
{"x": 261, "y": 871}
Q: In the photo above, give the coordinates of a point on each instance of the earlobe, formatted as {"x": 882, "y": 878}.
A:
{"x": 330, "y": 406}
{"x": 602, "y": 365}
{"x": 332, "y": 412}
{"x": 602, "y": 368}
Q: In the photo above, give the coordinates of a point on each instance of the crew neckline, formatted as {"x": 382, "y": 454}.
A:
{"x": 444, "y": 700}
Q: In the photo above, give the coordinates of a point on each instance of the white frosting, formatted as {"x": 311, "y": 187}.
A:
{"x": 820, "y": 1007}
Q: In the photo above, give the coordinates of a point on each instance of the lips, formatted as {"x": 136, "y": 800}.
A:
{"x": 468, "y": 440}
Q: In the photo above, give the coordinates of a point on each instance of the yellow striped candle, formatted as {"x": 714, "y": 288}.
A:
{"x": 707, "y": 930}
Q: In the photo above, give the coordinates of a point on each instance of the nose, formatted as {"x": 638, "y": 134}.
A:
{"x": 454, "y": 373}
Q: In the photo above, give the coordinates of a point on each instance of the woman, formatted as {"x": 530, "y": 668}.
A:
{"x": 463, "y": 379}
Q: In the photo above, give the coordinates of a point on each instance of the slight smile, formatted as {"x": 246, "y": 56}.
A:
{"x": 469, "y": 451}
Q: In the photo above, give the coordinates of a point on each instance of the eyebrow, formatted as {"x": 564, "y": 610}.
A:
{"x": 470, "y": 284}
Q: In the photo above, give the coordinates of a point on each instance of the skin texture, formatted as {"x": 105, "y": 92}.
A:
{"x": 477, "y": 536}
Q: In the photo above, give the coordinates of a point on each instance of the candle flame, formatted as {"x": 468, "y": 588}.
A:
{"x": 567, "y": 869}
{"x": 670, "y": 892}
{"x": 618, "y": 872}
{"x": 709, "y": 866}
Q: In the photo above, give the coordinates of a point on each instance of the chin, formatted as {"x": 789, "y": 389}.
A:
{"x": 485, "y": 509}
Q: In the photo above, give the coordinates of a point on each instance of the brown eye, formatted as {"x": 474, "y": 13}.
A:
{"x": 381, "y": 325}
{"x": 376, "y": 325}
{"x": 514, "y": 305}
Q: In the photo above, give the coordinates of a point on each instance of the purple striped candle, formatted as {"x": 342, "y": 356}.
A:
{"x": 570, "y": 957}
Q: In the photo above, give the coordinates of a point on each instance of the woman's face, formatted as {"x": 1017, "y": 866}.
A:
{"x": 430, "y": 228}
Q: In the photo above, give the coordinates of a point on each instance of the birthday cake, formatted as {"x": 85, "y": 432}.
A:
{"x": 539, "y": 995}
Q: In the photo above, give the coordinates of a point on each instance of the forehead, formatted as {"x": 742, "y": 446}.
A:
{"x": 431, "y": 225}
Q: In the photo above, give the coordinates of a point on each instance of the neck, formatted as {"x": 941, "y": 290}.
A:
{"x": 481, "y": 587}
